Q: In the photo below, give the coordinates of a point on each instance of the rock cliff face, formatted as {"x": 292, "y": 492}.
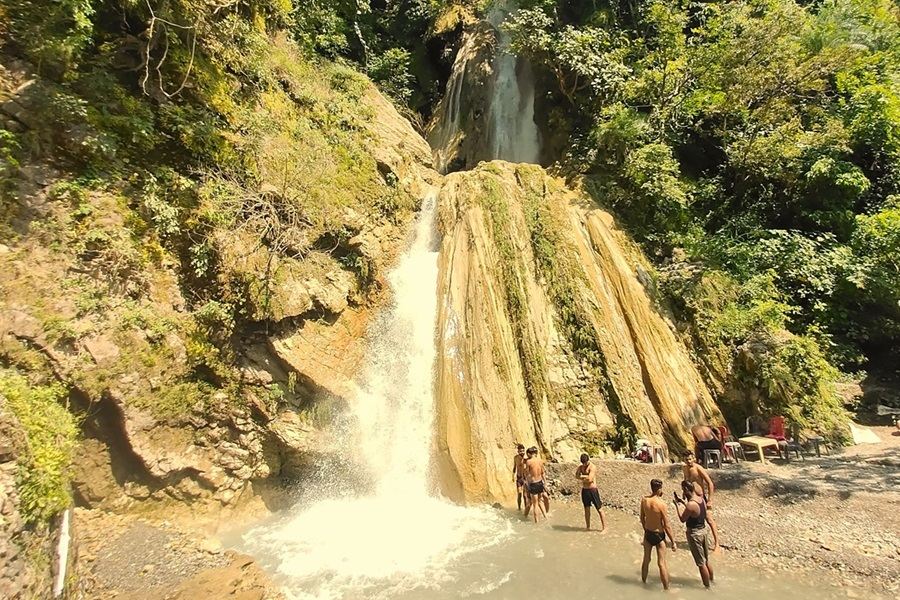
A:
{"x": 546, "y": 333}
{"x": 169, "y": 413}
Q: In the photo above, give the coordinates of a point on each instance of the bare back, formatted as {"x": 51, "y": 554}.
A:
{"x": 703, "y": 433}
{"x": 535, "y": 469}
{"x": 654, "y": 511}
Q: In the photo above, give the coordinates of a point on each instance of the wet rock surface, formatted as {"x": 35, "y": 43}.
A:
{"x": 514, "y": 325}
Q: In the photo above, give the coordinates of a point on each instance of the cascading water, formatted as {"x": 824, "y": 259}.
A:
{"x": 513, "y": 134}
{"x": 488, "y": 109}
{"x": 400, "y": 536}
{"x": 448, "y": 130}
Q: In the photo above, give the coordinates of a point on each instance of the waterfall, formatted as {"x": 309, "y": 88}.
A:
{"x": 448, "y": 130}
{"x": 399, "y": 536}
{"x": 512, "y": 133}
{"x": 487, "y": 111}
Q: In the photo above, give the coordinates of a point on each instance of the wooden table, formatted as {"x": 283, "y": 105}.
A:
{"x": 758, "y": 443}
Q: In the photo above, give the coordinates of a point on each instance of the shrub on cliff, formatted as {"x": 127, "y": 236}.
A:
{"x": 50, "y": 436}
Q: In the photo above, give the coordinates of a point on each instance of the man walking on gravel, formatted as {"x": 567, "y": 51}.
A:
{"x": 692, "y": 512}
{"x": 655, "y": 521}
{"x": 590, "y": 495}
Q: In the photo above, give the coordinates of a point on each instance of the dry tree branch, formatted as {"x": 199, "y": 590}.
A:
{"x": 151, "y": 32}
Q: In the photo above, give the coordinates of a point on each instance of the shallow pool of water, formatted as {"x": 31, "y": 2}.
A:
{"x": 447, "y": 552}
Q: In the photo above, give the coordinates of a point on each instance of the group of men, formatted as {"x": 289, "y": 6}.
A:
{"x": 692, "y": 506}
{"x": 528, "y": 473}
{"x": 693, "y": 509}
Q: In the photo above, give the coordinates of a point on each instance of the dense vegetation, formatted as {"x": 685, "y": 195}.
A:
{"x": 174, "y": 168}
{"x": 753, "y": 148}
{"x": 763, "y": 137}
{"x": 50, "y": 432}
{"x": 759, "y": 140}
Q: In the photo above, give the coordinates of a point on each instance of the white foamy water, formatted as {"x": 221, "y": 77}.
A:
{"x": 402, "y": 536}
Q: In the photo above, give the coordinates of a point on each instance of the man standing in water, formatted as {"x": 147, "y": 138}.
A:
{"x": 692, "y": 512}
{"x": 590, "y": 495}
{"x": 519, "y": 475}
{"x": 704, "y": 487}
{"x": 655, "y": 521}
{"x": 534, "y": 474}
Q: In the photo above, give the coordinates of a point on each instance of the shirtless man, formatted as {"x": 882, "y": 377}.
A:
{"x": 518, "y": 470}
{"x": 590, "y": 495}
{"x": 704, "y": 487}
{"x": 705, "y": 438}
{"x": 534, "y": 475}
{"x": 655, "y": 521}
{"x": 692, "y": 512}
{"x": 696, "y": 474}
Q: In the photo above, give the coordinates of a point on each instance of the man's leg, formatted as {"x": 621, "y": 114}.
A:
{"x": 713, "y": 529}
{"x": 519, "y": 497}
{"x": 704, "y": 574}
{"x": 527, "y": 501}
{"x": 602, "y": 519}
{"x": 546, "y": 498}
{"x": 663, "y": 566}
{"x": 587, "y": 516}
{"x": 645, "y": 565}
{"x": 709, "y": 568}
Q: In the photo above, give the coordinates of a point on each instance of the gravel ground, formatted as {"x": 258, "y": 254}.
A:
{"x": 131, "y": 558}
{"x": 839, "y": 514}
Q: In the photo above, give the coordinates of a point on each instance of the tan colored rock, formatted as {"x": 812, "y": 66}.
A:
{"x": 505, "y": 378}
{"x": 326, "y": 356}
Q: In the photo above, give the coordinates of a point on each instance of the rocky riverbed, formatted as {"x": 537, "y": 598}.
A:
{"x": 834, "y": 517}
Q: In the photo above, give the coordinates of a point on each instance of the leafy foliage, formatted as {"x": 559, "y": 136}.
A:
{"x": 760, "y": 136}
{"x": 43, "y": 474}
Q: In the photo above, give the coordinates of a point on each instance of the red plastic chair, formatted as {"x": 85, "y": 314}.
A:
{"x": 730, "y": 447}
{"x": 777, "y": 429}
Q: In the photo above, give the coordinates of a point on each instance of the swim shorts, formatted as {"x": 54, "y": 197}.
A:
{"x": 536, "y": 487}
{"x": 590, "y": 496}
{"x": 520, "y": 481}
{"x": 654, "y": 538}
{"x": 698, "y": 542}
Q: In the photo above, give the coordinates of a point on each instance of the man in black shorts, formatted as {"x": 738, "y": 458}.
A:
{"x": 655, "y": 521}
{"x": 518, "y": 471}
{"x": 534, "y": 473}
{"x": 590, "y": 495}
